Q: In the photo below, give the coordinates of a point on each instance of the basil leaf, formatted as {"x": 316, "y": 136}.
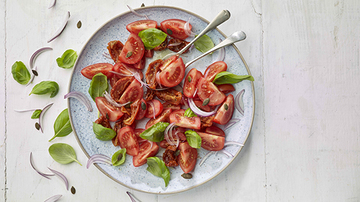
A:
{"x": 193, "y": 139}
{"x": 98, "y": 85}
{"x": 62, "y": 126}
{"x": 152, "y": 37}
{"x": 155, "y": 133}
{"x": 230, "y": 78}
{"x": 63, "y": 153}
{"x": 204, "y": 43}
{"x": 20, "y": 73}
{"x": 158, "y": 168}
{"x": 103, "y": 133}
{"x": 189, "y": 113}
{"x": 46, "y": 87}
{"x": 36, "y": 114}
{"x": 67, "y": 60}
{"x": 118, "y": 158}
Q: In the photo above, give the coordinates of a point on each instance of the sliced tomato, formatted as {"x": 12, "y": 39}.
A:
{"x": 149, "y": 53}
{"x": 207, "y": 89}
{"x": 150, "y": 75}
{"x": 132, "y": 93}
{"x": 146, "y": 150}
{"x": 91, "y": 70}
{"x": 140, "y": 64}
{"x": 200, "y": 105}
{"x": 225, "y": 112}
{"x": 137, "y": 132}
{"x": 187, "y": 157}
{"x": 226, "y": 88}
{"x": 135, "y": 107}
{"x": 214, "y": 130}
{"x": 177, "y": 44}
{"x": 154, "y": 105}
{"x": 138, "y": 26}
{"x": 128, "y": 140}
{"x": 115, "y": 48}
{"x": 175, "y": 28}
{"x": 191, "y": 81}
{"x": 120, "y": 86}
{"x": 211, "y": 142}
{"x": 163, "y": 117}
{"x": 107, "y": 110}
{"x": 142, "y": 109}
{"x": 179, "y": 119}
{"x": 170, "y": 95}
{"x": 167, "y": 105}
{"x": 214, "y": 69}
{"x": 172, "y": 72}
{"x": 133, "y": 50}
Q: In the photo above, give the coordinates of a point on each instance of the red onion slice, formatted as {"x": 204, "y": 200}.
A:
{"x": 239, "y": 104}
{"x": 62, "y": 176}
{"x": 53, "y": 198}
{"x": 233, "y": 143}
{"x": 153, "y": 107}
{"x": 42, "y": 115}
{"x": 107, "y": 55}
{"x": 167, "y": 136}
{"x": 132, "y": 197}
{"x": 81, "y": 97}
{"x": 40, "y": 173}
{"x": 226, "y": 153}
{"x": 188, "y": 30}
{"x": 221, "y": 55}
{"x": 151, "y": 144}
{"x": 174, "y": 44}
{"x": 231, "y": 123}
{"x": 112, "y": 101}
{"x": 206, "y": 157}
{"x": 177, "y": 139}
{"x": 137, "y": 14}
{"x": 198, "y": 111}
{"x": 98, "y": 158}
{"x": 61, "y": 29}
{"x": 52, "y": 4}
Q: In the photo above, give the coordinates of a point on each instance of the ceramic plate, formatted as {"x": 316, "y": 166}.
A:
{"x": 138, "y": 178}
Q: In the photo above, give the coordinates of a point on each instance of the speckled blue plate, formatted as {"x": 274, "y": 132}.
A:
{"x": 138, "y": 178}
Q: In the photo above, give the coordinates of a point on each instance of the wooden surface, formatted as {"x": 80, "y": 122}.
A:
{"x": 304, "y": 144}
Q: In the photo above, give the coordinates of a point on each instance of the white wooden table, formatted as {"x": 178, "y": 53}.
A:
{"x": 304, "y": 144}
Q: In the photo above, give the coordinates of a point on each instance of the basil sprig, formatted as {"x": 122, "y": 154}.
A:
{"x": 20, "y": 73}
{"x": 193, "y": 139}
{"x": 103, "y": 133}
{"x": 152, "y": 37}
{"x": 46, "y": 87}
{"x": 63, "y": 153}
{"x": 155, "y": 133}
{"x": 230, "y": 78}
{"x": 98, "y": 85}
{"x": 67, "y": 60}
{"x": 62, "y": 126}
{"x": 158, "y": 168}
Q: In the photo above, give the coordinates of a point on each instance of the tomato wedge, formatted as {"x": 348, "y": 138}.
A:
{"x": 207, "y": 89}
{"x": 163, "y": 117}
{"x": 179, "y": 119}
{"x": 146, "y": 150}
{"x": 214, "y": 69}
{"x": 138, "y": 26}
{"x": 120, "y": 86}
{"x": 214, "y": 130}
{"x": 187, "y": 157}
{"x": 211, "y": 142}
{"x": 171, "y": 96}
{"x": 225, "y": 112}
{"x": 226, "y": 88}
{"x": 140, "y": 64}
{"x": 133, "y": 50}
{"x": 108, "y": 110}
{"x": 172, "y": 72}
{"x": 115, "y": 48}
{"x": 127, "y": 139}
{"x": 132, "y": 93}
{"x": 191, "y": 81}
{"x": 142, "y": 110}
{"x": 175, "y": 28}
{"x": 154, "y": 105}
{"x": 149, "y": 53}
{"x": 91, "y": 70}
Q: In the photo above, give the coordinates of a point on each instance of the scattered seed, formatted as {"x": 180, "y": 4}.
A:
{"x": 206, "y": 102}
{"x": 79, "y": 24}
{"x": 35, "y": 72}
{"x": 107, "y": 116}
{"x": 73, "y": 190}
{"x": 119, "y": 157}
{"x": 189, "y": 79}
{"x": 169, "y": 31}
{"x": 226, "y": 106}
{"x": 142, "y": 5}
{"x": 37, "y": 126}
{"x": 177, "y": 153}
{"x": 143, "y": 106}
{"x": 129, "y": 54}
{"x": 187, "y": 175}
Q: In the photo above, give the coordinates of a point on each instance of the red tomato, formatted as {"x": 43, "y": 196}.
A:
{"x": 132, "y": 93}
{"x": 199, "y": 104}
{"x": 149, "y": 53}
{"x": 214, "y": 130}
{"x": 226, "y": 88}
{"x": 225, "y": 112}
{"x": 191, "y": 80}
{"x": 207, "y": 89}
{"x": 175, "y": 28}
{"x": 180, "y": 135}
{"x": 164, "y": 117}
{"x": 172, "y": 72}
{"x": 179, "y": 119}
{"x": 214, "y": 69}
{"x": 167, "y": 105}
{"x": 126, "y": 69}
{"x": 142, "y": 111}
{"x": 128, "y": 140}
{"x": 154, "y": 105}
{"x": 145, "y": 151}
{"x": 211, "y": 142}
{"x": 91, "y": 70}
{"x": 133, "y": 50}
{"x": 187, "y": 157}
{"x": 140, "y": 64}
{"x": 138, "y": 26}
{"x": 108, "y": 110}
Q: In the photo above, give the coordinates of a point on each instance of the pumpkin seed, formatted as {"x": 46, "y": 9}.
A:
{"x": 187, "y": 175}
{"x": 129, "y": 54}
{"x": 73, "y": 190}
{"x": 143, "y": 106}
{"x": 226, "y": 106}
{"x": 37, "y": 126}
{"x": 189, "y": 79}
{"x": 206, "y": 102}
{"x": 79, "y": 24}
{"x": 35, "y": 72}
{"x": 142, "y": 5}
{"x": 169, "y": 31}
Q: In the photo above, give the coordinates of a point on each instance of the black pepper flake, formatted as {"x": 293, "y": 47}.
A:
{"x": 79, "y": 24}
{"x": 73, "y": 190}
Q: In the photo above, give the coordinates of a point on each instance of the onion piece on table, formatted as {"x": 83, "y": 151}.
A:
{"x": 40, "y": 173}
{"x": 53, "y": 198}
{"x": 52, "y": 4}
{"x": 137, "y": 14}
{"x": 61, "y": 29}
{"x": 62, "y": 176}
{"x": 42, "y": 115}
{"x": 132, "y": 197}
{"x": 98, "y": 158}
{"x": 81, "y": 97}
{"x": 32, "y": 61}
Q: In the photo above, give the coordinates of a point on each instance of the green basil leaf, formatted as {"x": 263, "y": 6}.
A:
{"x": 67, "y": 60}
{"x": 98, "y": 85}
{"x": 193, "y": 139}
{"x": 103, "y": 133}
{"x": 62, "y": 126}
{"x": 230, "y": 78}
{"x": 158, "y": 168}
{"x": 63, "y": 153}
{"x": 152, "y": 37}
{"x": 189, "y": 113}
{"x": 204, "y": 43}
{"x": 118, "y": 158}
{"x": 36, "y": 114}
{"x": 155, "y": 133}
{"x": 46, "y": 87}
{"x": 20, "y": 73}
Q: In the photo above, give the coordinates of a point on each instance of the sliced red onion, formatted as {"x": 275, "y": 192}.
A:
{"x": 168, "y": 136}
{"x": 195, "y": 92}
{"x": 53, "y": 198}
{"x": 177, "y": 139}
{"x": 62, "y": 176}
{"x": 52, "y": 4}
{"x": 184, "y": 100}
{"x": 61, "y": 29}
{"x": 158, "y": 78}
{"x": 25, "y": 110}
{"x": 231, "y": 123}
{"x": 233, "y": 143}
{"x": 107, "y": 55}
{"x": 151, "y": 144}
{"x": 32, "y": 61}
{"x": 81, "y": 97}
{"x": 132, "y": 197}
{"x": 32, "y": 76}
{"x": 42, "y": 115}
{"x": 153, "y": 107}
{"x": 226, "y": 153}
{"x": 137, "y": 77}
{"x": 239, "y": 104}
{"x": 112, "y": 101}
{"x": 120, "y": 74}
{"x": 137, "y": 14}
{"x": 206, "y": 157}
{"x": 40, "y": 173}
{"x": 198, "y": 111}
{"x": 98, "y": 158}
{"x": 187, "y": 29}
{"x": 174, "y": 44}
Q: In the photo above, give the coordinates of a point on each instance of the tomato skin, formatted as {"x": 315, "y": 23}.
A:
{"x": 214, "y": 69}
{"x": 226, "y": 88}
{"x": 132, "y": 93}
{"x": 138, "y": 26}
{"x": 167, "y": 105}
{"x": 140, "y": 64}
{"x": 127, "y": 139}
{"x": 171, "y": 96}
{"x": 199, "y": 104}
{"x": 150, "y": 109}
{"x": 145, "y": 151}
{"x": 207, "y": 89}
{"x": 149, "y": 53}
{"x": 91, "y": 70}
{"x": 187, "y": 157}
{"x": 164, "y": 117}
{"x": 142, "y": 112}
{"x": 223, "y": 116}
{"x": 135, "y": 46}
{"x": 211, "y": 142}
{"x": 108, "y": 110}
{"x": 172, "y": 72}
{"x": 115, "y": 48}
{"x": 214, "y": 130}
{"x": 181, "y": 136}
{"x": 176, "y": 26}
{"x": 191, "y": 81}
{"x": 179, "y": 119}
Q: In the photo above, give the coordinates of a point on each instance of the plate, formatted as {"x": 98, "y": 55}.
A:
{"x": 138, "y": 178}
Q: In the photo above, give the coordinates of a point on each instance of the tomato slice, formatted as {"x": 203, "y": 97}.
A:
{"x": 138, "y": 26}
{"x": 150, "y": 75}
{"x": 175, "y": 28}
{"x": 163, "y": 117}
{"x": 115, "y": 48}
{"x": 214, "y": 130}
{"x": 142, "y": 111}
{"x": 214, "y": 69}
{"x": 120, "y": 86}
{"x": 93, "y": 69}
{"x": 108, "y": 110}
{"x": 128, "y": 140}
{"x": 135, "y": 107}
{"x": 179, "y": 131}
{"x": 187, "y": 157}
{"x": 176, "y": 45}
{"x": 172, "y": 72}
{"x": 191, "y": 80}
{"x": 132, "y": 93}
{"x": 200, "y": 105}
{"x": 145, "y": 151}
{"x": 171, "y": 96}
{"x": 140, "y": 64}
{"x": 167, "y": 105}
{"x": 179, "y": 119}
{"x": 226, "y": 88}
{"x": 149, "y": 53}
{"x": 133, "y": 50}
{"x": 154, "y": 105}
{"x": 211, "y": 142}
{"x": 225, "y": 112}
{"x": 207, "y": 89}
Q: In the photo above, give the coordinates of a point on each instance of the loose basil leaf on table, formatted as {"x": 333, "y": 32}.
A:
{"x": 36, "y": 114}
{"x": 98, "y": 85}
{"x": 67, "y": 60}
{"x": 193, "y": 139}
{"x": 189, "y": 113}
{"x": 230, "y": 78}
{"x": 103, "y": 133}
{"x": 158, "y": 168}
{"x": 204, "y": 44}
{"x": 46, "y": 87}
{"x": 20, "y": 73}
{"x": 63, "y": 153}
{"x": 62, "y": 126}
{"x": 155, "y": 133}
{"x": 152, "y": 37}
{"x": 118, "y": 158}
